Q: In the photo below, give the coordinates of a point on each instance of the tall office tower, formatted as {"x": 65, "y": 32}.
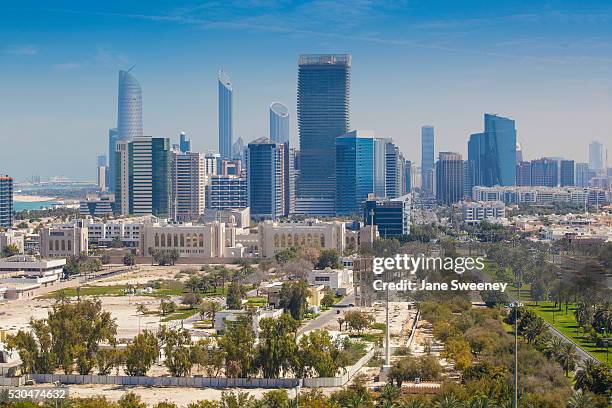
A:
{"x": 6, "y": 201}
{"x": 121, "y": 174}
{"x": 582, "y": 175}
{"x": 323, "y": 114}
{"x": 226, "y": 115}
{"x": 499, "y": 167}
{"x": 394, "y": 171}
{"x": 408, "y": 182}
{"x": 225, "y": 192}
{"x": 427, "y": 157}
{"x": 523, "y": 173}
{"x": 566, "y": 173}
{"x": 102, "y": 173}
{"x": 292, "y": 176}
{"x": 380, "y": 167}
{"x": 212, "y": 163}
{"x": 355, "y": 170}
{"x": 111, "y": 176}
{"x": 449, "y": 178}
{"x": 184, "y": 143}
{"x": 279, "y": 123}
{"x": 266, "y": 178}
{"x": 596, "y": 156}
{"x": 468, "y": 179}
{"x": 476, "y": 158}
{"x": 238, "y": 149}
{"x": 188, "y": 185}
{"x": 544, "y": 172}
{"x": 129, "y": 111}
{"x": 519, "y": 153}
{"x": 144, "y": 182}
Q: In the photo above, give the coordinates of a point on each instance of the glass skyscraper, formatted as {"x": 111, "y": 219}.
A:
{"x": 566, "y": 173}
{"x": 596, "y": 156}
{"x": 582, "y": 175}
{"x": 129, "y": 111}
{"x": 355, "y": 164}
{"x": 500, "y": 154}
{"x": 427, "y": 157}
{"x": 323, "y": 114}
{"x": 266, "y": 178}
{"x": 226, "y": 115}
{"x": 6, "y": 202}
{"x": 449, "y": 178}
{"x": 279, "y": 123}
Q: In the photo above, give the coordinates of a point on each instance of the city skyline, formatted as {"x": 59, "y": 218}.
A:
{"x": 538, "y": 83}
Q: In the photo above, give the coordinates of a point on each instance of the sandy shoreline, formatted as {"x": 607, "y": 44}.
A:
{"x": 33, "y": 198}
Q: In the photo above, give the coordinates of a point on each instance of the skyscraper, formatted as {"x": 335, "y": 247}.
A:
{"x": 596, "y": 156}
{"x": 566, "y": 173}
{"x": 519, "y": 153}
{"x": 449, "y": 178}
{"x": 129, "y": 110}
{"x": 6, "y": 201}
{"x": 184, "y": 143}
{"x": 188, "y": 185}
{"x": 523, "y": 173}
{"x": 582, "y": 175}
{"x": 499, "y": 167}
{"x": 355, "y": 163}
{"x": 143, "y": 184}
{"x": 279, "y": 123}
{"x": 544, "y": 172}
{"x": 475, "y": 161}
{"x": 266, "y": 178}
{"x": 380, "y": 168}
{"x": 111, "y": 175}
{"x": 226, "y": 115}
{"x": 323, "y": 114}
{"x": 394, "y": 171}
{"x": 427, "y": 157}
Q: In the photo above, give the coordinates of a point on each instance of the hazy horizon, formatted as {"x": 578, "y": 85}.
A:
{"x": 414, "y": 63}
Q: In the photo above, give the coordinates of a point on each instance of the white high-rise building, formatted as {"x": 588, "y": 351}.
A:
{"x": 129, "y": 110}
{"x": 188, "y": 185}
{"x": 596, "y": 156}
{"x": 279, "y": 123}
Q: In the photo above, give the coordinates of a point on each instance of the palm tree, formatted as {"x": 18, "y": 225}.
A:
{"x": 567, "y": 357}
{"x": 535, "y": 329}
{"x": 341, "y": 322}
{"x": 581, "y": 400}
{"x": 479, "y": 402}
{"x": 210, "y": 309}
{"x": 141, "y": 308}
{"x": 553, "y": 347}
{"x": 448, "y": 401}
{"x": 414, "y": 403}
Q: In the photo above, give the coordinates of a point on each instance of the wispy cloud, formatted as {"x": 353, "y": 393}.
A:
{"x": 23, "y": 49}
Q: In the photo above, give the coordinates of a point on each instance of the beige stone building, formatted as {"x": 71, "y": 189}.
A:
{"x": 63, "y": 241}
{"x": 276, "y": 236}
{"x": 211, "y": 240}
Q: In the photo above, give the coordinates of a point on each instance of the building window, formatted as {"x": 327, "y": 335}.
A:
{"x": 70, "y": 245}
{"x": 182, "y": 240}
{"x": 201, "y": 240}
{"x": 156, "y": 239}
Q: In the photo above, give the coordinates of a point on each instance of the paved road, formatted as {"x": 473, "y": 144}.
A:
{"x": 327, "y": 316}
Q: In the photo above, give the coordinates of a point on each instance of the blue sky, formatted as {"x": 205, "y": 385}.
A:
{"x": 546, "y": 64}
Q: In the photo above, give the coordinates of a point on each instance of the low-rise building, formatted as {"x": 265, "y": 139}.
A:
{"x": 392, "y": 217}
{"x": 473, "y": 212}
{"x": 211, "y": 240}
{"x": 315, "y": 295}
{"x": 275, "y": 236}
{"x": 10, "y": 237}
{"x": 540, "y": 195}
{"x": 228, "y": 317}
{"x": 21, "y": 275}
{"x": 63, "y": 241}
{"x": 338, "y": 280}
{"x": 238, "y": 217}
{"x": 97, "y": 205}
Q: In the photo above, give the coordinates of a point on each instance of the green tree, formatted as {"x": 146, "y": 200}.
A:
{"x": 141, "y": 354}
{"x": 277, "y": 345}
{"x": 131, "y": 400}
{"x": 10, "y": 250}
{"x": 129, "y": 259}
{"x": 238, "y": 345}
{"x": 294, "y": 298}
{"x": 317, "y": 355}
{"x": 107, "y": 359}
{"x": 358, "y": 320}
{"x": 235, "y": 293}
{"x": 209, "y": 309}
{"x": 175, "y": 343}
{"x": 329, "y": 258}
